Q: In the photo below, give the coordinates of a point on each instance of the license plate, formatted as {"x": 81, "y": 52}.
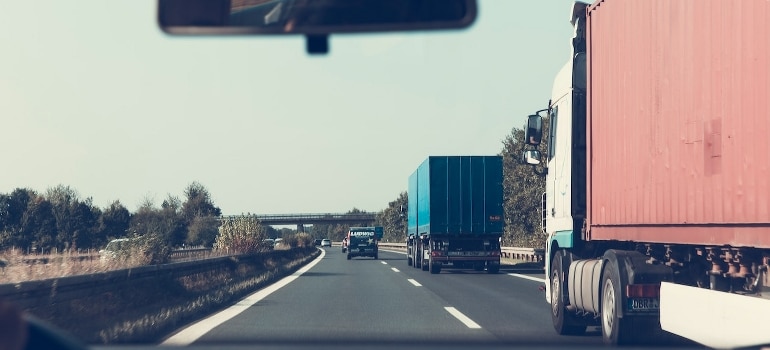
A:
{"x": 465, "y": 254}
{"x": 643, "y": 304}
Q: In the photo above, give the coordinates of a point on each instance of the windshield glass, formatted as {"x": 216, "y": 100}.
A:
{"x": 232, "y": 162}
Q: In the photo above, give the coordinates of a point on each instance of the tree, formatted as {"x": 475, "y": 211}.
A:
{"x": 38, "y": 225}
{"x": 167, "y": 222}
{"x": 62, "y": 199}
{"x": 113, "y": 223}
{"x": 392, "y": 221}
{"x": 200, "y": 214}
{"x": 198, "y": 202}
{"x": 202, "y": 230}
{"x": 522, "y": 193}
{"x": 12, "y": 209}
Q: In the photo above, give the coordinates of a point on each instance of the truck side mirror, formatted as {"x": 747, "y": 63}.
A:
{"x": 533, "y": 134}
{"x": 531, "y": 157}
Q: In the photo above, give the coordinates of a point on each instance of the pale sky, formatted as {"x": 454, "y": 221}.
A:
{"x": 94, "y": 96}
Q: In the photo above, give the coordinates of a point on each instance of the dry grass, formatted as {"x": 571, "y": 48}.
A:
{"x": 19, "y": 267}
{"x": 144, "y": 312}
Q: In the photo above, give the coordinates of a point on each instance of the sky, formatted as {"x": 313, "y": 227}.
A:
{"x": 94, "y": 96}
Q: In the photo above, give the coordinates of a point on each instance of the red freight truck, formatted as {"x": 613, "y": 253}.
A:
{"x": 657, "y": 166}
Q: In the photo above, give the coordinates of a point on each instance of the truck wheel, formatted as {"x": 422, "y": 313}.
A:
{"x": 375, "y": 256}
{"x": 408, "y": 261}
{"x": 348, "y": 256}
{"x": 425, "y": 265}
{"x": 615, "y": 330}
{"x": 493, "y": 267}
{"x": 563, "y": 321}
{"x": 435, "y": 268}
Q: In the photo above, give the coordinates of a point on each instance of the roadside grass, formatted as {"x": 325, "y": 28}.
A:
{"x": 146, "y": 312}
{"x": 17, "y": 267}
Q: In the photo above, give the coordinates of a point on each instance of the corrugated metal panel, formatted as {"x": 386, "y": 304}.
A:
{"x": 457, "y": 195}
{"x": 679, "y": 119}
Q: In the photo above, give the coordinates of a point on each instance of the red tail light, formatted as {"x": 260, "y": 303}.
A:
{"x": 495, "y": 253}
{"x": 643, "y": 290}
{"x": 436, "y": 253}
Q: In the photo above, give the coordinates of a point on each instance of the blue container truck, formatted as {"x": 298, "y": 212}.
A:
{"x": 455, "y": 213}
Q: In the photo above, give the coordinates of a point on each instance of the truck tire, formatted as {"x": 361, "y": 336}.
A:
{"x": 615, "y": 330}
{"x": 408, "y": 261}
{"x": 493, "y": 267}
{"x": 425, "y": 265}
{"x": 564, "y": 322}
{"x": 375, "y": 256}
{"x": 435, "y": 268}
{"x": 348, "y": 256}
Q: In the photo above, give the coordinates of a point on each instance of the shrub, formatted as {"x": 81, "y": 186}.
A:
{"x": 242, "y": 234}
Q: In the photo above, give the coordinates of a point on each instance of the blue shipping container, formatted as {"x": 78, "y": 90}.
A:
{"x": 456, "y": 195}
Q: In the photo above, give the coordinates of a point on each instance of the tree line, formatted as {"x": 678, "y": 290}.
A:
{"x": 60, "y": 220}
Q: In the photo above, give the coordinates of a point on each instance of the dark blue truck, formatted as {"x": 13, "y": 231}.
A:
{"x": 362, "y": 241}
{"x": 455, "y": 213}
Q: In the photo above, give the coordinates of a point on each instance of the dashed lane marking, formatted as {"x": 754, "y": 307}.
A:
{"x": 527, "y": 277}
{"x": 460, "y": 316}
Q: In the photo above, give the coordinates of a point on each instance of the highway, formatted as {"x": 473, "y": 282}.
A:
{"x": 363, "y": 301}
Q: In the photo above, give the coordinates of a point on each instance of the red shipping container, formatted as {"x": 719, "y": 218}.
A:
{"x": 679, "y": 121}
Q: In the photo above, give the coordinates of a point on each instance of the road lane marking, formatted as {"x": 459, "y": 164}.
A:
{"x": 526, "y": 277}
{"x": 190, "y": 334}
{"x": 394, "y": 269}
{"x": 384, "y": 262}
{"x": 393, "y": 251}
{"x": 464, "y": 319}
{"x": 416, "y": 284}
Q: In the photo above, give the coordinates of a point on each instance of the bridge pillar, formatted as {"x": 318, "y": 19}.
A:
{"x": 300, "y": 228}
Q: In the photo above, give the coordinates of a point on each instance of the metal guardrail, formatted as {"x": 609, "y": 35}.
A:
{"x": 55, "y": 290}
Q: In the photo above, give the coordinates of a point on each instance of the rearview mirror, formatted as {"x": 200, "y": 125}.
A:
{"x": 534, "y": 131}
{"x": 531, "y": 157}
{"x": 311, "y": 17}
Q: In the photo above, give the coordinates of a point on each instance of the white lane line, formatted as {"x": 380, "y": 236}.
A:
{"x": 384, "y": 262}
{"x": 394, "y": 251}
{"x": 526, "y": 277}
{"x": 464, "y": 319}
{"x": 394, "y": 269}
{"x": 416, "y": 284}
{"x": 197, "y": 330}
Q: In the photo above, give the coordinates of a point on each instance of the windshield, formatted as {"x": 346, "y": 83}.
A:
{"x": 235, "y": 158}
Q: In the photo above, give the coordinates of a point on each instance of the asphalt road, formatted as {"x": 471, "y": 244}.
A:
{"x": 365, "y": 301}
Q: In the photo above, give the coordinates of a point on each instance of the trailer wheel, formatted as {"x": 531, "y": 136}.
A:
{"x": 493, "y": 267}
{"x": 348, "y": 256}
{"x": 425, "y": 265}
{"x": 615, "y": 330}
{"x": 563, "y": 322}
{"x": 408, "y": 261}
{"x": 435, "y": 268}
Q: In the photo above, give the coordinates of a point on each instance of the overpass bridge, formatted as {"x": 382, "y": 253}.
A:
{"x": 363, "y": 219}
